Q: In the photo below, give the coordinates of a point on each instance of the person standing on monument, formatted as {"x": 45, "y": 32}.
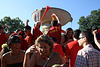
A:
{"x": 55, "y": 30}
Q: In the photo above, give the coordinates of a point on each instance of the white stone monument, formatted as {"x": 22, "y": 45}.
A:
{"x": 63, "y": 15}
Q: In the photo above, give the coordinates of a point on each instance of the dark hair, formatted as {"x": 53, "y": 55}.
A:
{"x": 77, "y": 33}
{"x": 94, "y": 28}
{"x": 88, "y": 35}
{"x": 54, "y": 23}
{"x": 27, "y": 27}
{"x": 13, "y": 39}
{"x": 46, "y": 39}
{"x": 89, "y": 29}
{"x": 67, "y": 31}
{"x": 54, "y": 39}
{"x": 1, "y": 27}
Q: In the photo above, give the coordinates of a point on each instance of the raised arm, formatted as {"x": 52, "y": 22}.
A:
{"x": 27, "y": 22}
{"x": 56, "y": 17}
{"x": 95, "y": 39}
{"x": 30, "y": 62}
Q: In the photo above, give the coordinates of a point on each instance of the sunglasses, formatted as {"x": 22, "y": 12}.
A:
{"x": 81, "y": 37}
{"x": 26, "y": 30}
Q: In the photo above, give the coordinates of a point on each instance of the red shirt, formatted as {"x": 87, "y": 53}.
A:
{"x": 36, "y": 33}
{"x": 3, "y": 39}
{"x": 55, "y": 32}
{"x": 24, "y": 46}
{"x": 57, "y": 48}
{"x": 71, "y": 50}
{"x": 29, "y": 39}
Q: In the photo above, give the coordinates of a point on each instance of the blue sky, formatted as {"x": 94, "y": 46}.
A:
{"x": 24, "y": 9}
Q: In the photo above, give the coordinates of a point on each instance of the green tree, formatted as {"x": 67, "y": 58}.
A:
{"x": 90, "y": 20}
{"x": 13, "y": 24}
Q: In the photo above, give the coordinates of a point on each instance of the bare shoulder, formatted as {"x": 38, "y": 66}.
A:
{"x": 35, "y": 55}
{"x": 6, "y": 55}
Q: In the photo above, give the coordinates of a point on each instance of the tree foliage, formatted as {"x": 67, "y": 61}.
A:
{"x": 90, "y": 20}
{"x": 13, "y": 24}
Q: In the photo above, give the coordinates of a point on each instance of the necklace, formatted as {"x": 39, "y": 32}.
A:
{"x": 16, "y": 56}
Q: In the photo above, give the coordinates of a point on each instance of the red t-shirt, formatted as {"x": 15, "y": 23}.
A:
{"x": 3, "y": 39}
{"x": 57, "y": 48}
{"x": 29, "y": 39}
{"x": 36, "y": 33}
{"x": 71, "y": 50}
{"x": 55, "y": 32}
{"x": 24, "y": 46}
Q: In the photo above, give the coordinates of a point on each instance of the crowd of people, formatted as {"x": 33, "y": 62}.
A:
{"x": 75, "y": 48}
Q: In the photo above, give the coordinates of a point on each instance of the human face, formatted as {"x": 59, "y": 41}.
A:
{"x": 26, "y": 31}
{"x": 15, "y": 46}
{"x": 1, "y": 30}
{"x": 81, "y": 40}
{"x": 70, "y": 33}
{"x": 44, "y": 49}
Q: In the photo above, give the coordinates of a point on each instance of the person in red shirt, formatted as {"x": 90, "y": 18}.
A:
{"x": 36, "y": 31}
{"x": 29, "y": 36}
{"x": 55, "y": 30}
{"x": 3, "y": 37}
{"x": 23, "y": 44}
{"x": 57, "y": 47}
{"x": 66, "y": 38}
{"x": 16, "y": 32}
{"x": 72, "y": 48}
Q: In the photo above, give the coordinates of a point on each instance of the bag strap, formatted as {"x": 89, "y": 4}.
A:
{"x": 48, "y": 60}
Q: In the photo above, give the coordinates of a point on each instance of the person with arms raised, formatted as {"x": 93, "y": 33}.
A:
{"x": 55, "y": 30}
{"x": 29, "y": 36}
{"x": 36, "y": 30}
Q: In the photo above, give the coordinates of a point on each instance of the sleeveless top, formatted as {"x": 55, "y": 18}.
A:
{"x": 15, "y": 65}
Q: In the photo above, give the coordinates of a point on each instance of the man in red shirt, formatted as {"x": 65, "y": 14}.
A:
{"x": 55, "y": 30}
{"x": 3, "y": 37}
{"x": 36, "y": 31}
{"x": 57, "y": 47}
{"x": 72, "y": 48}
{"x": 29, "y": 36}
